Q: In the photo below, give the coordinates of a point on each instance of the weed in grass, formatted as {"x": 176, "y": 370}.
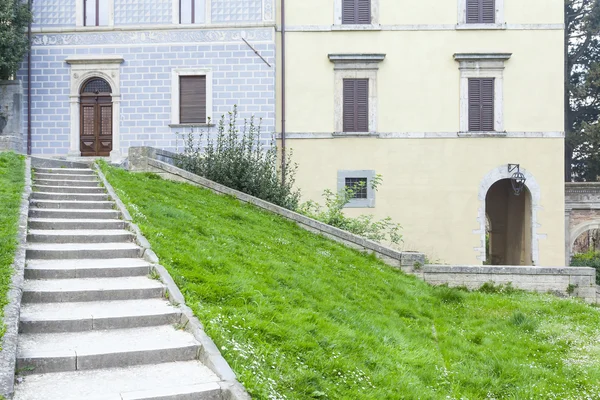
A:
{"x": 298, "y": 316}
{"x": 154, "y": 275}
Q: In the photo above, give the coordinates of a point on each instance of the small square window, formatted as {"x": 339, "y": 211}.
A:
{"x": 360, "y": 180}
{"x": 359, "y": 186}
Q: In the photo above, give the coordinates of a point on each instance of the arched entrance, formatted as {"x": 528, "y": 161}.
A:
{"x": 96, "y": 115}
{"x": 510, "y": 220}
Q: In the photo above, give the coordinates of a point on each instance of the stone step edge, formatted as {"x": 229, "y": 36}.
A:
{"x": 211, "y": 389}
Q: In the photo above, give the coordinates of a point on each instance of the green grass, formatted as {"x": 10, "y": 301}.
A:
{"x": 298, "y": 316}
{"x": 12, "y": 178}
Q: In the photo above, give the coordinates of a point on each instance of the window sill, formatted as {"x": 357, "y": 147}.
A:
{"x": 480, "y": 27}
{"x": 199, "y": 125}
{"x": 482, "y": 134}
{"x": 355, "y": 134}
{"x": 360, "y": 203}
{"x": 356, "y": 27}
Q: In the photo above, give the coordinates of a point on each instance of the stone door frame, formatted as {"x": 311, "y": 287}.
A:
{"x": 82, "y": 69}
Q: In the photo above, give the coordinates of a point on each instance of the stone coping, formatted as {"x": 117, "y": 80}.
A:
{"x": 509, "y": 270}
{"x": 150, "y": 159}
{"x": 8, "y": 354}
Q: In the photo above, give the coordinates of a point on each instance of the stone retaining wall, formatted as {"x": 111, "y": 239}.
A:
{"x": 161, "y": 162}
{"x": 562, "y": 281}
{"x": 11, "y": 132}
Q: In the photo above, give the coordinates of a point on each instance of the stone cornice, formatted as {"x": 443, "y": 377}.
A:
{"x": 482, "y": 56}
{"x": 356, "y": 58}
{"x": 108, "y": 59}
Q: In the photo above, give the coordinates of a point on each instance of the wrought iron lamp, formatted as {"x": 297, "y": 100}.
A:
{"x": 517, "y": 179}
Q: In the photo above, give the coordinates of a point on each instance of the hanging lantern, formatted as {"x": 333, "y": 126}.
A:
{"x": 517, "y": 179}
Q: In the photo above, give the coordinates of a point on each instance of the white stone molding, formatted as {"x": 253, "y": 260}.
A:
{"x": 337, "y": 16}
{"x": 482, "y": 65}
{"x": 79, "y": 13}
{"x": 82, "y": 69}
{"x": 422, "y": 27}
{"x": 175, "y": 74}
{"x": 462, "y": 14}
{"x": 580, "y": 229}
{"x": 494, "y": 176}
{"x": 355, "y": 66}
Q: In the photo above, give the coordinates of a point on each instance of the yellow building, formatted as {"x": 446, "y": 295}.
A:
{"x": 438, "y": 97}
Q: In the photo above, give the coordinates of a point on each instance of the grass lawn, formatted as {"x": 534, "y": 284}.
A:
{"x": 12, "y": 178}
{"x": 298, "y": 316}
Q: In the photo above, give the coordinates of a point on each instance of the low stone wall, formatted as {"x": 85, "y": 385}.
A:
{"x": 562, "y": 281}
{"x": 161, "y": 162}
{"x": 11, "y": 100}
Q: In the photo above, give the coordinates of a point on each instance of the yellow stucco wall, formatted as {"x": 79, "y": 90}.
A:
{"x": 409, "y": 12}
{"x": 431, "y": 186}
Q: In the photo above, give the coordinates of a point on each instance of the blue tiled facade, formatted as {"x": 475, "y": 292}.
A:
{"x": 239, "y": 77}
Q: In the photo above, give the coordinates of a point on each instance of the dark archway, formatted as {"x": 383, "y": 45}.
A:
{"x": 96, "y": 116}
{"x": 510, "y": 237}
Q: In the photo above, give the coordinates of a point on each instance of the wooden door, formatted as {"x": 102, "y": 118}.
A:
{"x": 96, "y": 125}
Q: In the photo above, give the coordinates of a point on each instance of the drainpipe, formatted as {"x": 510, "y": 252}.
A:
{"x": 283, "y": 160}
{"x": 29, "y": 87}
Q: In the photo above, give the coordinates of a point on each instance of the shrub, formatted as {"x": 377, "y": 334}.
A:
{"x": 363, "y": 225}
{"x": 14, "y": 19}
{"x": 240, "y": 161}
{"x": 589, "y": 259}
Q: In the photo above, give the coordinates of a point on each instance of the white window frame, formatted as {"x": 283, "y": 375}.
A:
{"x": 337, "y": 18}
{"x": 499, "y": 23}
{"x": 207, "y": 11}
{"x": 79, "y": 15}
{"x": 355, "y": 66}
{"x": 369, "y": 175}
{"x": 482, "y": 65}
{"x": 175, "y": 74}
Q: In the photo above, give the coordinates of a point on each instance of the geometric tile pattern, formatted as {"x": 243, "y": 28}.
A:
{"x": 128, "y": 12}
{"x": 239, "y": 78}
{"x": 236, "y": 10}
{"x": 54, "y": 12}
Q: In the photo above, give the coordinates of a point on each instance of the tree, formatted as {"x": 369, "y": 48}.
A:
{"x": 15, "y": 17}
{"x": 582, "y": 90}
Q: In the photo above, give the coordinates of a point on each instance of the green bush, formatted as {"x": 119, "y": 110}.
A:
{"x": 363, "y": 225}
{"x": 589, "y": 259}
{"x": 14, "y": 19}
{"x": 239, "y": 160}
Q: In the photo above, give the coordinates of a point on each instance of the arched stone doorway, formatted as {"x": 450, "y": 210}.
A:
{"x": 510, "y": 217}
{"x": 96, "y": 114}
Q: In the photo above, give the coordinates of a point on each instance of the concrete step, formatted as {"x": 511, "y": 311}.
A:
{"x": 69, "y": 196}
{"x": 123, "y": 383}
{"x": 68, "y": 269}
{"x": 71, "y": 251}
{"x": 67, "y": 182}
{"x": 64, "y": 223}
{"x": 80, "y": 236}
{"x": 72, "y": 204}
{"x": 73, "y": 213}
{"x": 96, "y": 315}
{"x": 65, "y": 171}
{"x": 69, "y": 177}
{"x": 91, "y": 289}
{"x": 55, "y": 352}
{"x": 66, "y": 189}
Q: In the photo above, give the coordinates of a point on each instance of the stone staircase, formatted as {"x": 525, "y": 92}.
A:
{"x": 94, "y": 324}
